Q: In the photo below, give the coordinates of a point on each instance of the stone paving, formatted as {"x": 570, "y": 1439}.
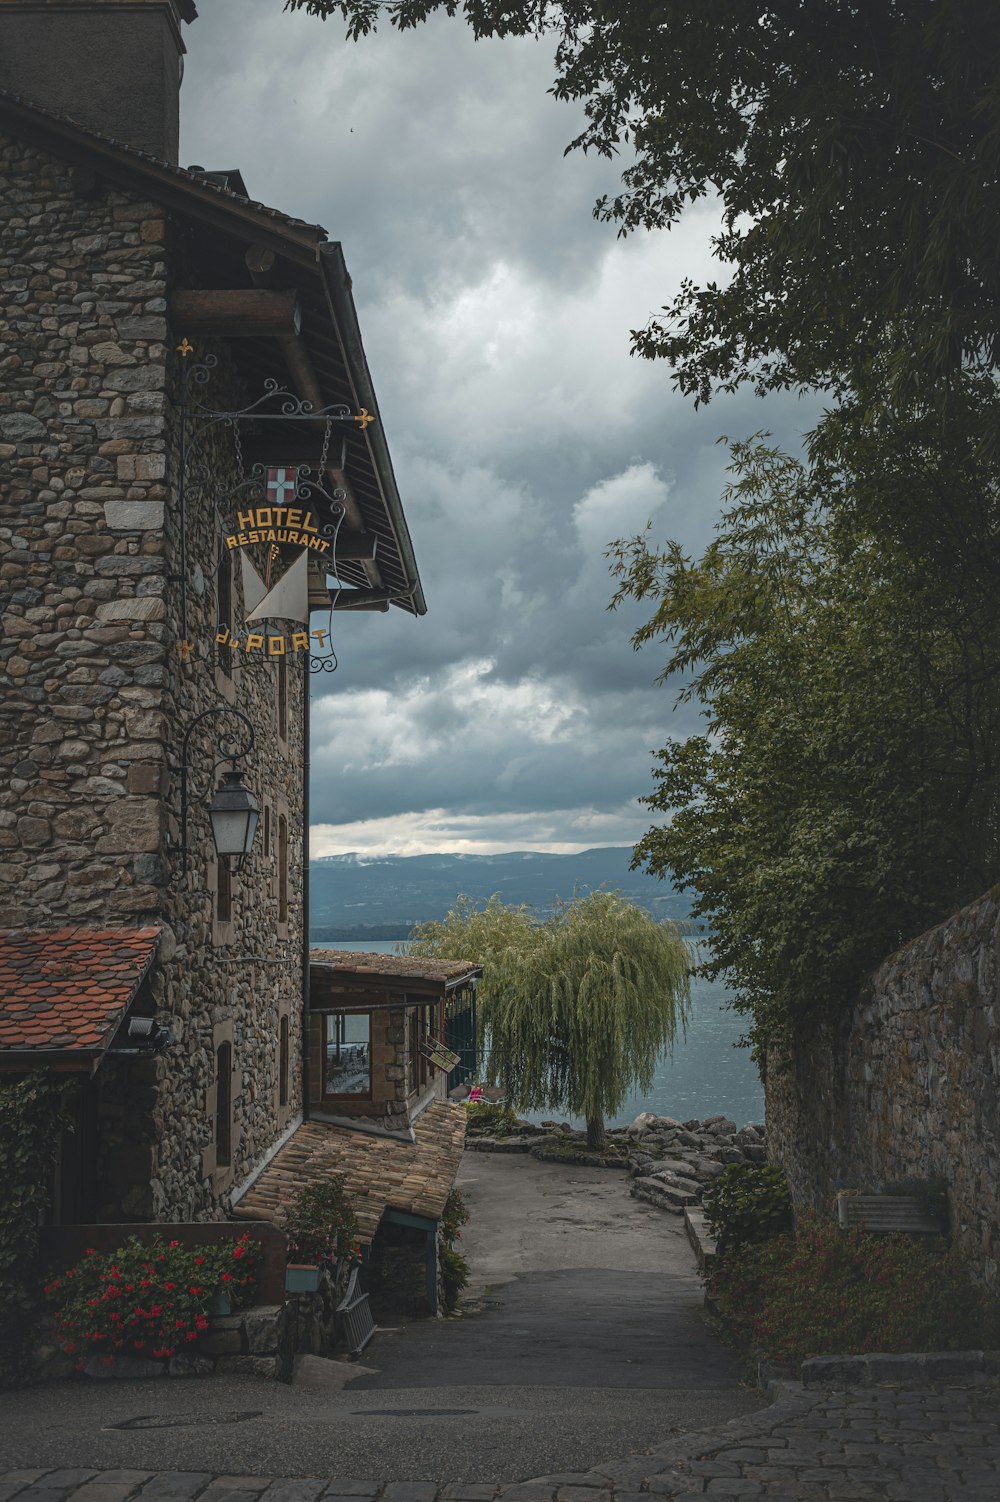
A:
{"x": 894, "y": 1443}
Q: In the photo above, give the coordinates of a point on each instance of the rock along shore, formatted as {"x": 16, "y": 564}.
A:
{"x": 670, "y": 1162}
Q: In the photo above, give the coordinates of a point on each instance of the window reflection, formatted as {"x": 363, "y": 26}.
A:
{"x": 348, "y": 1054}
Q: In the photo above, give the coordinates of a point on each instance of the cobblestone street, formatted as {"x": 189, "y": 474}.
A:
{"x": 892, "y": 1443}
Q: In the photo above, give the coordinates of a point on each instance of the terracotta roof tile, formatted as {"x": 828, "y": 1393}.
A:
{"x": 379, "y": 1173}
{"x": 67, "y": 988}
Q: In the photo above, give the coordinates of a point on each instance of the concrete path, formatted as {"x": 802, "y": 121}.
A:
{"x": 586, "y": 1343}
{"x": 449, "y": 1416}
{"x": 575, "y": 1285}
{"x": 894, "y": 1444}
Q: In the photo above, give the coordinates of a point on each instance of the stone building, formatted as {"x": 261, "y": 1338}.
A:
{"x": 387, "y": 1035}
{"x": 139, "y": 300}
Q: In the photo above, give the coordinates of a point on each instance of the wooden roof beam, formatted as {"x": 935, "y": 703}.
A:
{"x": 237, "y": 313}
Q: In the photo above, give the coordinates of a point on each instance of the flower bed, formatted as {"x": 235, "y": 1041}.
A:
{"x": 822, "y": 1291}
{"x": 148, "y": 1299}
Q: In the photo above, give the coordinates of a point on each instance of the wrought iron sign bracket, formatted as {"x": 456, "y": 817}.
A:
{"x": 276, "y": 404}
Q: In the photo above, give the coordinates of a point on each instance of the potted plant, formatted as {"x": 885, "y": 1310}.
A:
{"x": 231, "y": 1269}
{"x": 322, "y": 1234}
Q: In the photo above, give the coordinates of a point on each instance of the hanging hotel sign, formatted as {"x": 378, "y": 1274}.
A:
{"x": 280, "y": 523}
{"x": 287, "y": 599}
{"x": 275, "y": 512}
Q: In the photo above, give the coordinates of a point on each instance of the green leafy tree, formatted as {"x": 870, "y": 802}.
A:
{"x": 854, "y": 148}
{"x": 843, "y": 794}
{"x": 577, "y": 1008}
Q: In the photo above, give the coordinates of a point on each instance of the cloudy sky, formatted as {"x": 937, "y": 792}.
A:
{"x": 496, "y": 314}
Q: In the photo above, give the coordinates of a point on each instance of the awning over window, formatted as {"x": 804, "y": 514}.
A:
{"x": 63, "y": 992}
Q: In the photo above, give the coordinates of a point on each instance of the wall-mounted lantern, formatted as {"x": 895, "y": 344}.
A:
{"x": 234, "y": 811}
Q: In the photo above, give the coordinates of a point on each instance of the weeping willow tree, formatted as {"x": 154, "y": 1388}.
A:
{"x": 575, "y": 1009}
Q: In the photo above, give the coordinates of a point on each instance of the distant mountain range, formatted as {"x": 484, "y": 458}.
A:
{"x": 361, "y": 897}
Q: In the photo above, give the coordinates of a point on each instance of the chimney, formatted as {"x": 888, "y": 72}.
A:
{"x": 112, "y": 66}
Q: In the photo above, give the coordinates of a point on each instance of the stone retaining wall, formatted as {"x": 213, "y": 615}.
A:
{"x": 907, "y": 1087}
{"x": 257, "y": 1342}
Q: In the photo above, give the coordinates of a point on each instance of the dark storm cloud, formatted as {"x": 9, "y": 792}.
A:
{"x": 419, "y": 151}
{"x": 495, "y": 313}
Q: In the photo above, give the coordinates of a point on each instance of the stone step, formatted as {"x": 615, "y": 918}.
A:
{"x": 700, "y": 1237}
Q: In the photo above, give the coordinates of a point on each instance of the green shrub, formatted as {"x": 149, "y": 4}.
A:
{"x": 487, "y": 1119}
{"x": 454, "y": 1268}
{"x": 454, "y": 1274}
{"x": 454, "y": 1215}
{"x": 320, "y": 1224}
{"x": 824, "y": 1291}
{"x": 747, "y": 1203}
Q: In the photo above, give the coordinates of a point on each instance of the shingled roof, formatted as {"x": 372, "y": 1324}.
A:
{"x": 394, "y": 966}
{"x": 380, "y": 1173}
{"x": 63, "y": 991}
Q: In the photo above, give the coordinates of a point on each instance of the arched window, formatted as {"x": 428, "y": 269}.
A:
{"x": 223, "y": 1105}
{"x": 224, "y": 592}
{"x": 282, "y": 869}
{"x": 223, "y": 891}
{"x": 282, "y": 687}
{"x": 283, "y": 1063}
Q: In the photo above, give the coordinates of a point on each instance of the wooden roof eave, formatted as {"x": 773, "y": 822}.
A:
{"x": 337, "y": 286}
{"x": 175, "y": 189}
{"x": 249, "y": 223}
{"x": 378, "y": 990}
{"x": 54, "y": 1060}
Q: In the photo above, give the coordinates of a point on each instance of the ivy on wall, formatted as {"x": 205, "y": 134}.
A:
{"x": 32, "y": 1121}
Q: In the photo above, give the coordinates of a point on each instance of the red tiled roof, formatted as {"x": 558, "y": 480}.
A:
{"x": 67, "y": 988}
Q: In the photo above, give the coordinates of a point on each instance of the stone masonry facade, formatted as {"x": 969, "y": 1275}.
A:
{"x": 908, "y": 1087}
{"x": 97, "y": 692}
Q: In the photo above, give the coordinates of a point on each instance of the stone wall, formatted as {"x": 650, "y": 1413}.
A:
{"x": 97, "y": 689}
{"x": 82, "y": 295}
{"x": 226, "y": 981}
{"x": 907, "y": 1087}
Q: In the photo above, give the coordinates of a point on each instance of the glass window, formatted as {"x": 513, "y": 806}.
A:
{"x": 224, "y": 625}
{"x": 282, "y": 869}
{"x": 223, "y": 1105}
{"x": 283, "y": 1063}
{"x": 348, "y": 1068}
{"x": 419, "y": 1069}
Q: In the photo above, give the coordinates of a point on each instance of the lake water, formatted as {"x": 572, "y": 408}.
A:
{"x": 707, "y": 1074}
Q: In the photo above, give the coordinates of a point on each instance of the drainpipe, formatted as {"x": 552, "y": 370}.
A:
{"x": 305, "y": 886}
